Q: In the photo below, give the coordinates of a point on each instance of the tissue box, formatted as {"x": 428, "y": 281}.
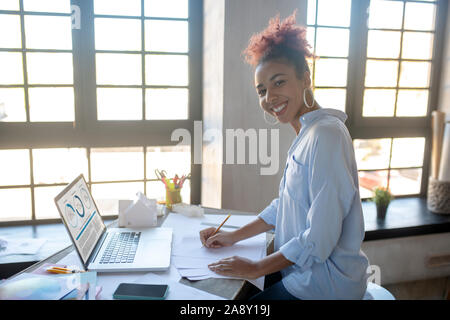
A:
{"x": 142, "y": 212}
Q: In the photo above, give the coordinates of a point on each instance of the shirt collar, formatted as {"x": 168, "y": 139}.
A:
{"x": 310, "y": 117}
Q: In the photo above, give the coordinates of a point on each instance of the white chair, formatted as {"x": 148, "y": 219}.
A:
{"x": 376, "y": 292}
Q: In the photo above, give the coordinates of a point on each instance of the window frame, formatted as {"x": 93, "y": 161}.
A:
{"x": 389, "y": 127}
{"x": 86, "y": 131}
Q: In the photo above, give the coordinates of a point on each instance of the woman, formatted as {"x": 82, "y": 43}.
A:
{"x": 317, "y": 217}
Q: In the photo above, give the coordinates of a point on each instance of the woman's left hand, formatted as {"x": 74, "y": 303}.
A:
{"x": 235, "y": 267}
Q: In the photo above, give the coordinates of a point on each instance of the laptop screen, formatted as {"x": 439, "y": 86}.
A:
{"x": 81, "y": 217}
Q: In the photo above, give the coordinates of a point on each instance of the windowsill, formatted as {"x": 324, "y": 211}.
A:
{"x": 405, "y": 217}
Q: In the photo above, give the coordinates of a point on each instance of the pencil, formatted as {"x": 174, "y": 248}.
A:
{"x": 218, "y": 228}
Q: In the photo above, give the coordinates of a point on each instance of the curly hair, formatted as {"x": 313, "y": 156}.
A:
{"x": 280, "y": 40}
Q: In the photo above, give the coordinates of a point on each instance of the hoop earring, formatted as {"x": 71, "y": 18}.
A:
{"x": 268, "y": 122}
{"x": 304, "y": 98}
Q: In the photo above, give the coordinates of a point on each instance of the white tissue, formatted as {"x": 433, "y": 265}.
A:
{"x": 188, "y": 210}
{"x": 142, "y": 212}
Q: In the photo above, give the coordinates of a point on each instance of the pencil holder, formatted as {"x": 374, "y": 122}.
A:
{"x": 438, "y": 199}
{"x": 173, "y": 196}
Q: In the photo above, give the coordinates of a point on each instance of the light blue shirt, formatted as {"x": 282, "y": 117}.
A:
{"x": 318, "y": 218}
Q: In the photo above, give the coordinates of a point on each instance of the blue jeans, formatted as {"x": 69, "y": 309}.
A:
{"x": 274, "y": 290}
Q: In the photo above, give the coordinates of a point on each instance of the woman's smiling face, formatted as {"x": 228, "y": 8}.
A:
{"x": 280, "y": 91}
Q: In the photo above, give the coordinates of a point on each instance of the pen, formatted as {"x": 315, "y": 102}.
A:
{"x": 62, "y": 270}
{"x": 218, "y": 228}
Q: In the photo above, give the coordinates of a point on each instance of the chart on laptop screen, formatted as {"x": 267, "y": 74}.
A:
{"x": 82, "y": 218}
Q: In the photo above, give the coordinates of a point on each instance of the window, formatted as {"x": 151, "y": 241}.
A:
{"x": 328, "y": 33}
{"x": 379, "y": 60}
{"x": 101, "y": 99}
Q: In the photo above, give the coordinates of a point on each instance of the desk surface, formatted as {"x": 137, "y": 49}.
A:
{"x": 227, "y": 288}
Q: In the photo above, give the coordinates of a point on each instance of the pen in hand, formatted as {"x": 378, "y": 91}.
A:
{"x": 218, "y": 228}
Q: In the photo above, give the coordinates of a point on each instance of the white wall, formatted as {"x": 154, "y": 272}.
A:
{"x": 230, "y": 101}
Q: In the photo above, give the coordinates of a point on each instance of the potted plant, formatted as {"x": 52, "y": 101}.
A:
{"x": 382, "y": 197}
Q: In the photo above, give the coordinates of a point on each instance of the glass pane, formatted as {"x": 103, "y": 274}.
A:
{"x": 47, "y": 5}
{"x": 369, "y": 180}
{"x": 16, "y": 204}
{"x": 334, "y": 13}
{"x": 117, "y": 34}
{"x": 419, "y": 16}
{"x": 115, "y": 68}
{"x": 166, "y": 104}
{"x": 12, "y": 38}
{"x": 44, "y": 32}
{"x": 168, "y": 36}
{"x": 175, "y": 160}
{"x": 118, "y": 7}
{"x": 310, "y": 36}
{"x": 166, "y": 70}
{"x": 331, "y": 72}
{"x": 412, "y": 103}
{"x": 385, "y": 14}
{"x": 166, "y": 8}
{"x": 11, "y": 66}
{"x": 44, "y": 202}
{"x": 378, "y": 103}
{"x": 114, "y": 164}
{"x": 9, "y": 5}
{"x": 407, "y": 152}
{"x": 156, "y": 190}
{"x": 331, "y": 98}
{"x": 119, "y": 104}
{"x": 414, "y": 74}
{"x": 51, "y": 104}
{"x": 381, "y": 73}
{"x": 377, "y": 44}
{"x": 311, "y": 13}
{"x": 14, "y": 167}
{"x": 106, "y": 195}
{"x": 59, "y": 165}
{"x": 50, "y": 68}
{"x": 372, "y": 153}
{"x": 13, "y": 100}
{"x": 405, "y": 181}
{"x": 332, "y": 42}
{"x": 417, "y": 45}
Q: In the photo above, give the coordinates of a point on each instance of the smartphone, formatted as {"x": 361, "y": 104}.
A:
{"x": 136, "y": 291}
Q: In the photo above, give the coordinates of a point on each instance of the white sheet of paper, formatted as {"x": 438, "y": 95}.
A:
{"x": 191, "y": 246}
{"x": 22, "y": 246}
{"x": 190, "y": 262}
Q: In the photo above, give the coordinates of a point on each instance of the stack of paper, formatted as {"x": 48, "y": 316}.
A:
{"x": 21, "y": 246}
{"x": 192, "y": 259}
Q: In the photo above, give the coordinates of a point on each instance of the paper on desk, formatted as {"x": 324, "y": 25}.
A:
{"x": 177, "y": 291}
{"x": 233, "y": 222}
{"x": 191, "y": 246}
{"x": 183, "y": 225}
{"x": 22, "y": 246}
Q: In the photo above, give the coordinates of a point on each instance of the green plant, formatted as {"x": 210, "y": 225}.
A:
{"x": 382, "y": 197}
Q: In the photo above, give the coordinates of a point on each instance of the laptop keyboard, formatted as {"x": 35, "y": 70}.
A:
{"x": 121, "y": 248}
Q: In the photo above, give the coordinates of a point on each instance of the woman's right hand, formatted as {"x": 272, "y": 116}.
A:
{"x": 220, "y": 239}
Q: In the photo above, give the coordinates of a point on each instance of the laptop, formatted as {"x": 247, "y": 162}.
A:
{"x": 113, "y": 249}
